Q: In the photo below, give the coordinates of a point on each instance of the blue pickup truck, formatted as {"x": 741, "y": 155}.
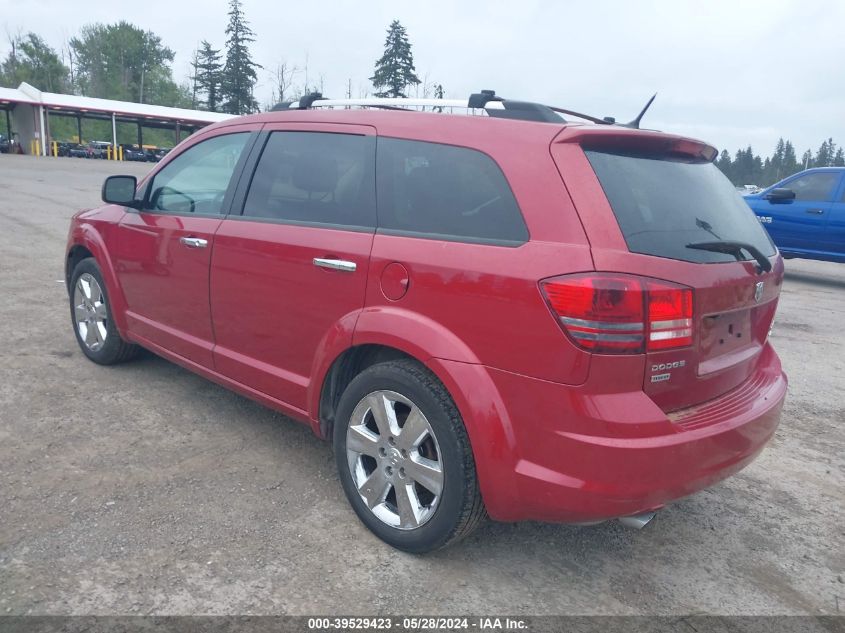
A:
{"x": 805, "y": 213}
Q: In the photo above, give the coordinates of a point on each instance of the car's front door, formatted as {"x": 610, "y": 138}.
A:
{"x": 799, "y": 224}
{"x": 163, "y": 250}
{"x": 289, "y": 273}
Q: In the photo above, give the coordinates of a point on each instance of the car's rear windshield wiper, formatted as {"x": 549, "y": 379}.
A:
{"x": 735, "y": 249}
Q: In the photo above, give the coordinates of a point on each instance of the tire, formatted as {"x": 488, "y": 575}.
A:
{"x": 396, "y": 427}
{"x": 91, "y": 317}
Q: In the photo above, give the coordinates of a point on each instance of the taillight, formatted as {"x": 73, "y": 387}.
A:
{"x": 602, "y": 313}
{"x": 621, "y": 314}
{"x": 669, "y": 315}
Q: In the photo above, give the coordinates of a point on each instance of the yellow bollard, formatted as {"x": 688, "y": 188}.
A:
{"x": 108, "y": 152}
{"x": 120, "y": 150}
{"x": 55, "y": 149}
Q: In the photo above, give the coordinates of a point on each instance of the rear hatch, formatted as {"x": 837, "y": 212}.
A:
{"x": 655, "y": 207}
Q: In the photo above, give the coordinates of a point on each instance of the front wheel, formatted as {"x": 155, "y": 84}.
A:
{"x": 91, "y": 316}
{"x": 404, "y": 458}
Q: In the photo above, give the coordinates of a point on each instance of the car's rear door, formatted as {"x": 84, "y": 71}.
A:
{"x": 163, "y": 251}
{"x": 289, "y": 267}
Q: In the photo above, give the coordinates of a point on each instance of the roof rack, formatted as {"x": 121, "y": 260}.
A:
{"x": 486, "y": 100}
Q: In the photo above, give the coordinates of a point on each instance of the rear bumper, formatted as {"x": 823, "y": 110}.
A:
{"x": 580, "y": 457}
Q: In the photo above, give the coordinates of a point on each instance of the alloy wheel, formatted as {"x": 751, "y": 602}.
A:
{"x": 394, "y": 460}
{"x": 89, "y": 312}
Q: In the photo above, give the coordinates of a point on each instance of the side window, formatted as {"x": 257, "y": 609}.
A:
{"x": 443, "y": 190}
{"x": 817, "y": 187}
{"x": 196, "y": 181}
{"x": 317, "y": 177}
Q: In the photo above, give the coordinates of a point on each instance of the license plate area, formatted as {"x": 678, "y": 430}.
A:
{"x": 725, "y": 333}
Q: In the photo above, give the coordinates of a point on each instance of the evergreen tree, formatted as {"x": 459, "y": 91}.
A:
{"x": 740, "y": 168}
{"x": 790, "y": 162}
{"x": 774, "y": 169}
{"x": 766, "y": 171}
{"x": 239, "y": 74}
{"x": 824, "y": 157}
{"x": 725, "y": 164}
{"x": 807, "y": 160}
{"x": 208, "y": 75}
{"x": 395, "y": 71}
{"x": 747, "y": 168}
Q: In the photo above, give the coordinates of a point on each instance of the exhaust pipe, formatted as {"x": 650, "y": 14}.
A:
{"x": 637, "y": 521}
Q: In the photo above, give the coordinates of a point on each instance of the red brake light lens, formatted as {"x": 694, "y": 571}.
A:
{"x": 669, "y": 316}
{"x": 602, "y": 313}
{"x": 621, "y": 314}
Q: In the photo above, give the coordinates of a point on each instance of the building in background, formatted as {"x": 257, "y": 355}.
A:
{"x": 26, "y": 113}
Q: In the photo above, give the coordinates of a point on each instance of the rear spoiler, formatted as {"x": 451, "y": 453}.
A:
{"x": 637, "y": 141}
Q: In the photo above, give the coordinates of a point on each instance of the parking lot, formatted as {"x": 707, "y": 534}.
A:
{"x": 145, "y": 489}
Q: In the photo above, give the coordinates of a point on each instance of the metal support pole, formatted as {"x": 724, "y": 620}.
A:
{"x": 8, "y": 125}
{"x": 79, "y": 128}
{"x": 48, "y": 133}
{"x": 114, "y": 136}
{"x": 43, "y": 131}
{"x": 140, "y": 137}
{"x": 178, "y": 133}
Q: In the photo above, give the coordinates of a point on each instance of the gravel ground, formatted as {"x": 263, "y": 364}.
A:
{"x": 145, "y": 489}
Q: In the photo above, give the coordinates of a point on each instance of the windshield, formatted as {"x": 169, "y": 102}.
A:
{"x": 663, "y": 204}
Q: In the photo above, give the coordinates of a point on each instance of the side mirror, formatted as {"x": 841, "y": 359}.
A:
{"x": 780, "y": 195}
{"x": 120, "y": 190}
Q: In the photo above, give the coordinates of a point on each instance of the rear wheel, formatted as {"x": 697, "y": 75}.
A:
{"x": 91, "y": 316}
{"x": 404, "y": 458}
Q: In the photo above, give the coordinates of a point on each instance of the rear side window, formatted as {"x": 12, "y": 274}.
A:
{"x": 315, "y": 177}
{"x": 664, "y": 204}
{"x": 814, "y": 187}
{"x": 445, "y": 192}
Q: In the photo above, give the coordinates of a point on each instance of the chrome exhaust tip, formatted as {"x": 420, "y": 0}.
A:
{"x": 637, "y": 521}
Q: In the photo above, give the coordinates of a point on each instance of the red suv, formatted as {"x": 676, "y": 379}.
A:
{"x": 511, "y": 314}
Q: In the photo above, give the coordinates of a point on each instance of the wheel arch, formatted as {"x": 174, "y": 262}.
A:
{"x": 362, "y": 338}
{"x": 481, "y": 407}
{"x": 342, "y": 371}
{"x": 87, "y": 242}
{"x": 75, "y": 254}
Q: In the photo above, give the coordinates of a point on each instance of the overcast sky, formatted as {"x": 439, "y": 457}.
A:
{"x": 730, "y": 72}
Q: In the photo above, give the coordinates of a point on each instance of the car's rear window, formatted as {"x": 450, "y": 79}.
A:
{"x": 663, "y": 204}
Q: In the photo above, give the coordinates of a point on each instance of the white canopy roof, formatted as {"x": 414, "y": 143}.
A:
{"x": 76, "y": 104}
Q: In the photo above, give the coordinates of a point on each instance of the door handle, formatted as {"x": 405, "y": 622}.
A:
{"x": 335, "y": 264}
{"x": 815, "y": 211}
{"x": 193, "y": 242}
